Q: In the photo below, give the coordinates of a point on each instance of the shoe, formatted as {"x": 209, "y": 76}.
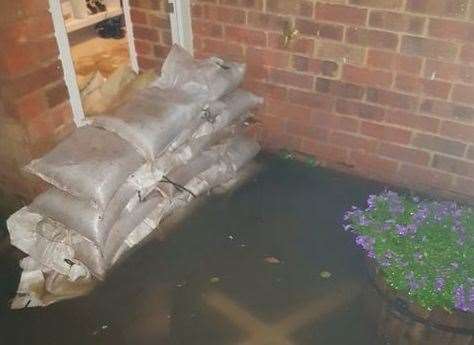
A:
{"x": 100, "y": 5}
{"x": 91, "y": 6}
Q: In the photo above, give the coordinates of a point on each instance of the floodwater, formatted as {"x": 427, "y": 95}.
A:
{"x": 265, "y": 264}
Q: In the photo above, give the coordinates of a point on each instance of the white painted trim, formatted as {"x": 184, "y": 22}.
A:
{"x": 181, "y": 28}
{"x": 132, "y": 51}
{"x": 67, "y": 63}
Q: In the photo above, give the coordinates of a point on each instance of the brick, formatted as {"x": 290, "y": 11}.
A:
{"x": 143, "y": 47}
{"x": 146, "y": 33}
{"x": 273, "y": 123}
{"x": 321, "y": 30}
{"x": 386, "y": 133}
{"x": 57, "y": 94}
{"x": 332, "y": 121}
{"x": 166, "y": 38}
{"x": 359, "y": 109}
{"x": 432, "y": 88}
{"x": 298, "y": 80}
{"x": 223, "y": 48}
{"x": 467, "y": 54}
{"x": 314, "y": 66}
{"x": 28, "y": 29}
{"x": 439, "y": 144}
{"x": 214, "y": 13}
{"x": 372, "y": 38}
{"x": 392, "y": 99}
{"x": 464, "y": 186}
{"x": 339, "y": 89}
{"x": 149, "y": 4}
{"x": 295, "y": 7}
{"x": 412, "y": 120}
{"x": 299, "y": 45}
{"x": 159, "y": 21}
{"x": 454, "y": 165}
{"x": 255, "y": 71}
{"x": 267, "y": 21}
{"x": 265, "y": 57}
{"x": 352, "y": 141}
{"x": 138, "y": 17}
{"x": 470, "y": 153}
{"x": 392, "y": 4}
{"x": 34, "y": 80}
{"x": 421, "y": 177}
{"x": 245, "y": 36}
{"x": 404, "y": 154}
{"x": 429, "y": 48}
{"x": 340, "y": 13}
{"x": 341, "y": 53}
{"x": 452, "y": 8}
{"x": 280, "y": 108}
{"x": 324, "y": 152}
{"x": 374, "y": 166}
{"x": 147, "y": 63}
{"x": 463, "y": 93}
{"x": 307, "y": 131}
{"x": 451, "y": 29}
{"x": 204, "y": 28}
{"x": 395, "y": 21}
{"x": 16, "y": 59}
{"x": 267, "y": 90}
{"x": 310, "y": 99}
{"x": 393, "y": 61}
{"x": 448, "y": 110}
{"x": 458, "y": 131}
{"x": 252, "y": 4}
{"x": 161, "y": 51}
{"x": 27, "y": 107}
{"x": 449, "y": 71}
{"x": 360, "y": 75}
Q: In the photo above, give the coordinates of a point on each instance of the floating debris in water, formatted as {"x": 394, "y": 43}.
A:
{"x": 231, "y": 237}
{"x": 181, "y": 284}
{"x": 325, "y": 274}
{"x": 303, "y": 157}
{"x": 215, "y": 280}
{"x": 272, "y": 260}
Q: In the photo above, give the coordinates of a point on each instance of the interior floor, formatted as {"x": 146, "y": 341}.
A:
{"x": 92, "y": 53}
{"x": 268, "y": 263}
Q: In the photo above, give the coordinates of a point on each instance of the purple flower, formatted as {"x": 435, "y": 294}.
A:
{"x": 460, "y": 298}
{"x": 395, "y": 204}
{"x": 365, "y": 242}
{"x": 439, "y": 284}
{"x": 471, "y": 300}
{"x": 404, "y": 230}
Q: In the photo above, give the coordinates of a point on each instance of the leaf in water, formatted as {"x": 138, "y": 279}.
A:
{"x": 272, "y": 260}
{"x": 215, "y": 280}
{"x": 325, "y": 274}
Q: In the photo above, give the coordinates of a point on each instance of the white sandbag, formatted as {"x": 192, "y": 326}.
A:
{"x": 91, "y": 164}
{"x": 233, "y": 108}
{"x": 241, "y": 150}
{"x": 53, "y": 245}
{"x": 152, "y": 120}
{"x": 77, "y": 214}
{"x": 214, "y": 76}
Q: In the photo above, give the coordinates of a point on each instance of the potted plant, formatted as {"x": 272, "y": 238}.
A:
{"x": 421, "y": 259}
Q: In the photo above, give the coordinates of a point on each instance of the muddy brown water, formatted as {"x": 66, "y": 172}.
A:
{"x": 215, "y": 279}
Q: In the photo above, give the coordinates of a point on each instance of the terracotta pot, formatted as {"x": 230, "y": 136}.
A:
{"x": 402, "y": 322}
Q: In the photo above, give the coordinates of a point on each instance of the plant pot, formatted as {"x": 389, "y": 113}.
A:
{"x": 402, "y": 322}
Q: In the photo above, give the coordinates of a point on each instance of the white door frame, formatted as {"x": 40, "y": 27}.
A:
{"x": 181, "y": 31}
{"x": 181, "y": 28}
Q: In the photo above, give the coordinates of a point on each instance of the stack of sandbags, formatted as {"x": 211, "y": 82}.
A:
{"x": 114, "y": 180}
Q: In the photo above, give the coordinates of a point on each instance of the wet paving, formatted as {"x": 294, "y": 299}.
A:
{"x": 265, "y": 264}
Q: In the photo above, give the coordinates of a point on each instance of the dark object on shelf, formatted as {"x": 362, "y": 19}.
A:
{"x": 111, "y": 28}
{"x": 403, "y": 322}
{"x": 96, "y": 6}
{"x": 91, "y": 6}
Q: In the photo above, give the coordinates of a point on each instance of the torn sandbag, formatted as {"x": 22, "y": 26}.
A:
{"x": 90, "y": 164}
{"x": 213, "y": 76}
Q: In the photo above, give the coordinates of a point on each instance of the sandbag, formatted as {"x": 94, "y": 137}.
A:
{"x": 151, "y": 120}
{"x": 214, "y": 76}
{"x": 77, "y": 214}
{"x": 91, "y": 164}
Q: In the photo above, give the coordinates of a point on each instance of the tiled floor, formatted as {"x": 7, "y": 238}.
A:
{"x": 209, "y": 282}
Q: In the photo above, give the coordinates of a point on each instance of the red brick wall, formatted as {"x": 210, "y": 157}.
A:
{"x": 152, "y": 32}
{"x": 35, "y": 110}
{"x": 381, "y": 88}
